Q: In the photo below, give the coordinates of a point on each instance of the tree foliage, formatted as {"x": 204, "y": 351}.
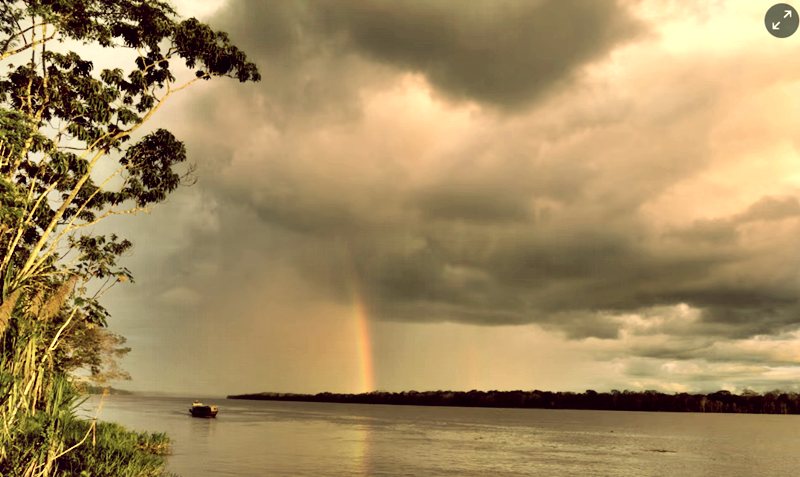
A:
{"x": 93, "y": 348}
{"x": 62, "y": 123}
{"x": 62, "y": 119}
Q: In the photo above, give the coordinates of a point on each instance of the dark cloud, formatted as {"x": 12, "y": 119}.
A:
{"x": 566, "y": 277}
{"x": 720, "y": 232}
{"x": 774, "y": 316}
{"x": 504, "y": 53}
{"x": 770, "y": 208}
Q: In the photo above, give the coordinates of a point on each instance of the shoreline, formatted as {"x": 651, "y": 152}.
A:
{"x": 646, "y": 401}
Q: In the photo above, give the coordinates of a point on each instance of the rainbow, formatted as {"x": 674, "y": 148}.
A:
{"x": 362, "y": 330}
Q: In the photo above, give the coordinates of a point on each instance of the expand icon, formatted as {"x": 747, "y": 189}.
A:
{"x": 781, "y": 20}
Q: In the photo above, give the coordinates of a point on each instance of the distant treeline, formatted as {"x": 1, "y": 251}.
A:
{"x": 775, "y": 402}
{"x": 88, "y": 389}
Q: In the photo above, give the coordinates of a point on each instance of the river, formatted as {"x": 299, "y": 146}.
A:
{"x": 268, "y": 438}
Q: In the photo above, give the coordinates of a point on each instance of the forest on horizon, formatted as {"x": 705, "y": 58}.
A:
{"x": 751, "y": 402}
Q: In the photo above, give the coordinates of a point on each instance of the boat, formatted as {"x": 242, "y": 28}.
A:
{"x": 199, "y": 409}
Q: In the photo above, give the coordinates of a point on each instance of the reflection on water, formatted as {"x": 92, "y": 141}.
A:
{"x": 257, "y": 438}
{"x": 366, "y": 450}
{"x": 358, "y": 441}
{"x": 202, "y": 430}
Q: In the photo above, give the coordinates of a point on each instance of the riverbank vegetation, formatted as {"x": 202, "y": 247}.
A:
{"x": 63, "y": 125}
{"x": 93, "y": 448}
{"x": 774, "y": 402}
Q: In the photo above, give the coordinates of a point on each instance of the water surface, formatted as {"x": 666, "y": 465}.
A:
{"x": 268, "y": 438}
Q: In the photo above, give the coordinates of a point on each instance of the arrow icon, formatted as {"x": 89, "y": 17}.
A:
{"x": 781, "y": 20}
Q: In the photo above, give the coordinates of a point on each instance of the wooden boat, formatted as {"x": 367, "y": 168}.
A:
{"x": 199, "y": 409}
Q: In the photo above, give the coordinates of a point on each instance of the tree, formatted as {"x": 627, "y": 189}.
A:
{"x": 94, "y": 349}
{"x": 59, "y": 121}
{"x": 57, "y": 93}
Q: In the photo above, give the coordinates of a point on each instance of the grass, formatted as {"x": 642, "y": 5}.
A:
{"x": 116, "y": 451}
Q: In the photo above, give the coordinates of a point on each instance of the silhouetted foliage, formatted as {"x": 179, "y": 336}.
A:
{"x": 774, "y": 402}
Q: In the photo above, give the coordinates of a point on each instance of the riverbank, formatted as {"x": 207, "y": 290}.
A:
{"x": 97, "y": 449}
{"x": 749, "y": 402}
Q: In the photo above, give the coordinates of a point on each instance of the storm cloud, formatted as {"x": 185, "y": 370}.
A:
{"x": 518, "y": 220}
{"x": 576, "y": 166}
{"x": 506, "y": 53}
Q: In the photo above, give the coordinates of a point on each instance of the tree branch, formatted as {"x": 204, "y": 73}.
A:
{"x": 28, "y": 46}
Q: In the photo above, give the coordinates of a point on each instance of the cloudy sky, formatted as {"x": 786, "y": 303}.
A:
{"x": 511, "y": 194}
